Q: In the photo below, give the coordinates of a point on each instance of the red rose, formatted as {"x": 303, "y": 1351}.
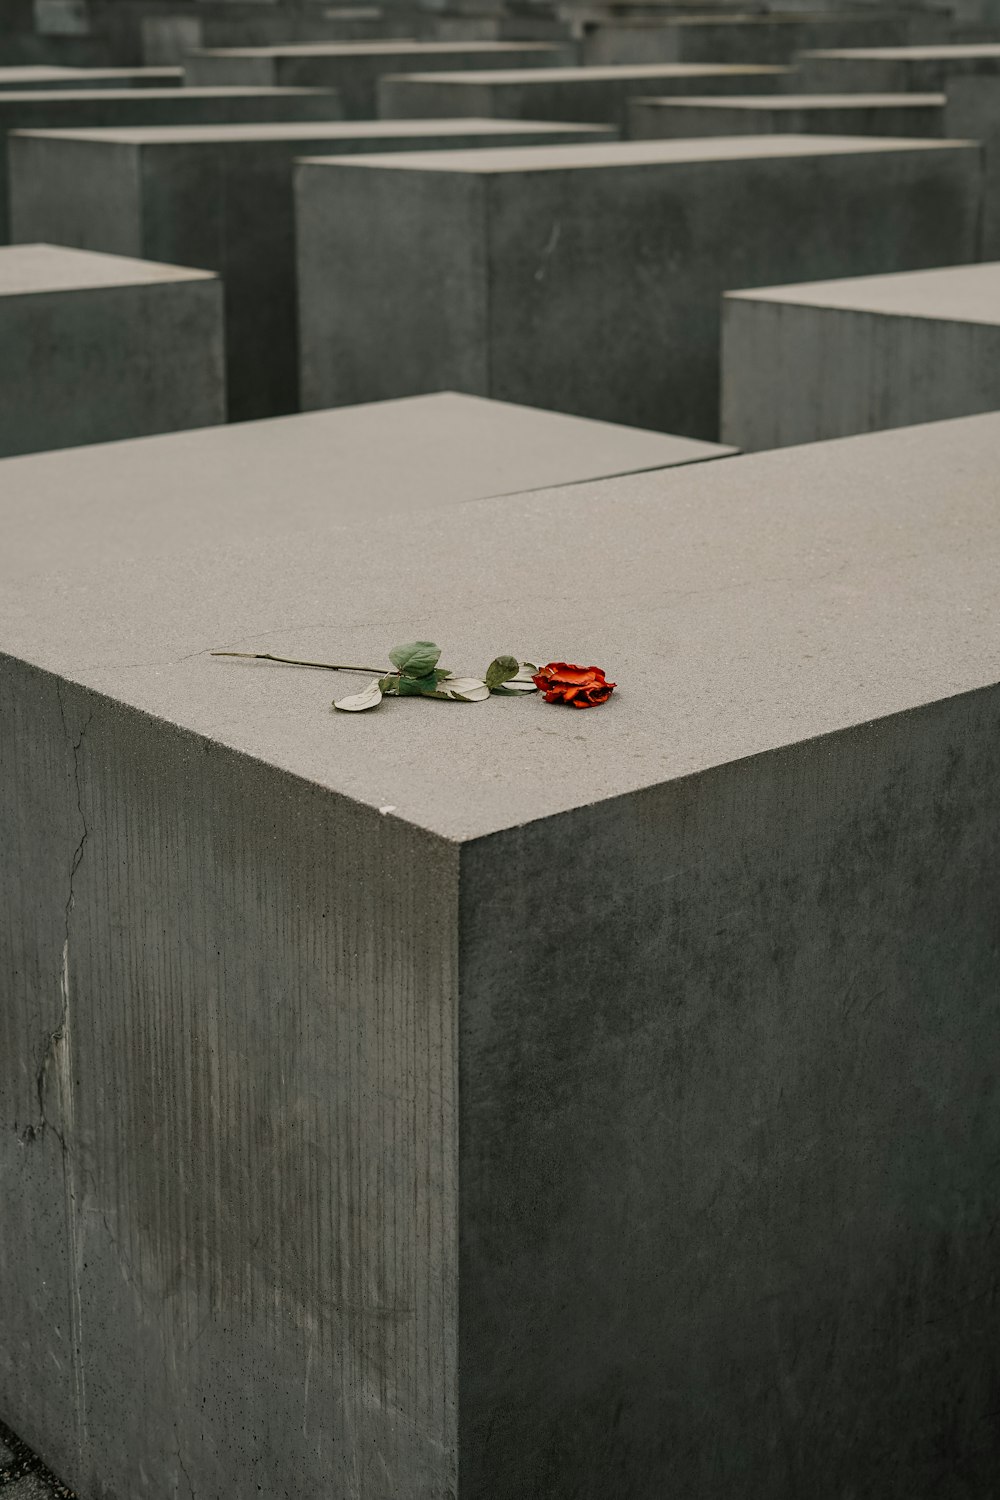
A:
{"x": 582, "y": 687}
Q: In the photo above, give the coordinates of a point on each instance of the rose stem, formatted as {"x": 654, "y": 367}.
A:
{"x": 291, "y": 661}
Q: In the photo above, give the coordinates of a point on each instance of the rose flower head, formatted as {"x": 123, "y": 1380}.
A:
{"x": 581, "y": 687}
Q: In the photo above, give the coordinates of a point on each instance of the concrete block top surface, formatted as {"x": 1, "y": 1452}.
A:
{"x": 791, "y": 102}
{"x": 741, "y": 607}
{"x": 617, "y": 155}
{"x": 36, "y": 73}
{"x": 11, "y": 77}
{"x": 402, "y": 49}
{"x": 609, "y": 72}
{"x": 27, "y": 269}
{"x": 38, "y": 98}
{"x": 953, "y": 52}
{"x": 311, "y": 131}
{"x": 955, "y": 294}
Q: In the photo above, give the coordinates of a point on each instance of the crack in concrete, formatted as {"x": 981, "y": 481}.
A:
{"x": 57, "y": 1037}
{"x": 183, "y": 1468}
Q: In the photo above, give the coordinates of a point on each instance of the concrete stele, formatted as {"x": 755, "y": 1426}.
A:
{"x": 752, "y": 38}
{"x": 899, "y": 69}
{"x": 97, "y": 347}
{"x": 218, "y": 196}
{"x": 827, "y": 359}
{"x": 354, "y": 68}
{"x": 599, "y": 95}
{"x": 445, "y": 1005}
{"x": 646, "y": 236}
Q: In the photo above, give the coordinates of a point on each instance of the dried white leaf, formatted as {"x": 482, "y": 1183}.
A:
{"x": 522, "y": 683}
{"x": 358, "y": 702}
{"x": 463, "y": 689}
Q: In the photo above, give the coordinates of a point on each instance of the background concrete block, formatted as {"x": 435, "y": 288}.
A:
{"x": 39, "y": 110}
{"x": 295, "y": 1081}
{"x": 588, "y": 279}
{"x": 354, "y": 68}
{"x": 600, "y": 95}
{"x": 875, "y": 70}
{"x": 795, "y": 114}
{"x": 739, "y": 38}
{"x": 217, "y": 196}
{"x": 97, "y": 347}
{"x": 167, "y": 38}
{"x": 826, "y": 359}
{"x": 969, "y": 75}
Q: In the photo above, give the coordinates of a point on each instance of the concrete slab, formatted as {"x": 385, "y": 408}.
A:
{"x": 38, "y": 77}
{"x": 42, "y": 109}
{"x": 600, "y": 95}
{"x": 630, "y": 1036}
{"x": 354, "y": 68}
{"x": 220, "y": 197}
{"x": 795, "y": 114}
{"x": 773, "y": 38}
{"x": 645, "y": 236}
{"x": 826, "y": 359}
{"x": 97, "y": 347}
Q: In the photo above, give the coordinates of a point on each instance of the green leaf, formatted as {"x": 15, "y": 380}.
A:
{"x": 417, "y": 659}
{"x": 415, "y": 687}
{"x": 389, "y": 684}
{"x": 441, "y": 673}
{"x": 501, "y": 670}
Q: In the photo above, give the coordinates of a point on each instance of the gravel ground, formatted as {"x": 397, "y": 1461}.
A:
{"x": 23, "y": 1476}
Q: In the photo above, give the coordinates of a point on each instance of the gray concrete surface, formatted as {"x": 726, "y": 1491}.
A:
{"x": 97, "y": 347}
{"x": 600, "y": 95}
{"x": 658, "y": 1040}
{"x": 588, "y": 279}
{"x": 737, "y": 38}
{"x": 354, "y": 68}
{"x": 826, "y": 359}
{"x": 794, "y": 114}
{"x": 219, "y": 197}
{"x": 350, "y": 466}
{"x": 61, "y": 108}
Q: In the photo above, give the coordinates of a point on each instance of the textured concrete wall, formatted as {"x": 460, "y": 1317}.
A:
{"x": 665, "y": 119}
{"x": 227, "y": 1085}
{"x": 97, "y": 349}
{"x": 759, "y": 1160}
{"x": 798, "y": 373}
{"x": 646, "y": 237}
